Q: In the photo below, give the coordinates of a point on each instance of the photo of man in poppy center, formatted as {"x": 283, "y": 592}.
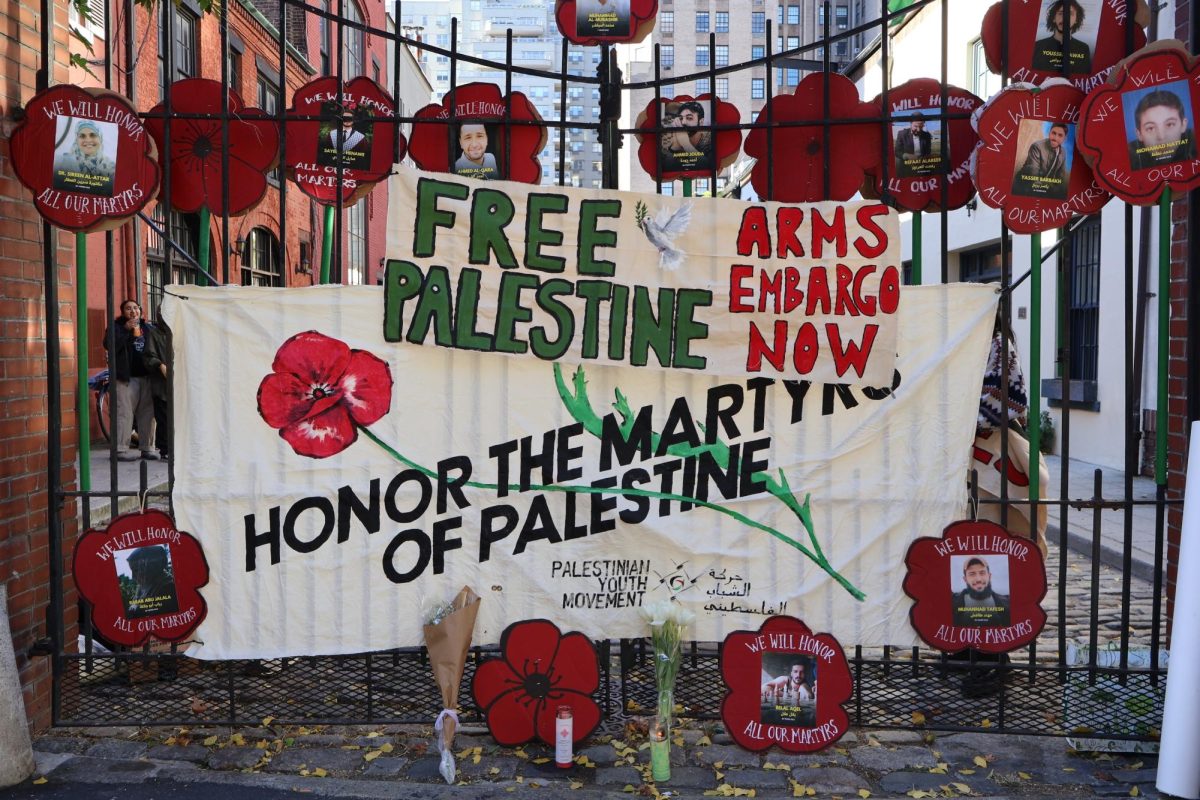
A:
{"x": 1157, "y": 124}
{"x": 789, "y": 689}
{"x": 345, "y": 142}
{"x": 476, "y": 152}
{"x": 1044, "y": 154}
{"x": 1065, "y": 19}
{"x": 686, "y": 146}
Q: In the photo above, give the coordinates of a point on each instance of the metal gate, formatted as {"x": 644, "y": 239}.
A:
{"x": 1097, "y": 670}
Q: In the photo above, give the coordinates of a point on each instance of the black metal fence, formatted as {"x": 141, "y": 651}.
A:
{"x": 1038, "y": 690}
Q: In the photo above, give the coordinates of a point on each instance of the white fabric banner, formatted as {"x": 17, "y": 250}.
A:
{"x": 341, "y": 483}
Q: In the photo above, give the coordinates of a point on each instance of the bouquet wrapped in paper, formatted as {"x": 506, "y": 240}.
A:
{"x": 448, "y": 630}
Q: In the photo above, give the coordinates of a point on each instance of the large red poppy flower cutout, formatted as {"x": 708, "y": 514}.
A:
{"x": 142, "y": 576}
{"x": 472, "y": 139}
{"x": 1138, "y": 130}
{"x": 590, "y": 22}
{"x": 1027, "y": 164}
{"x": 321, "y": 392}
{"x": 917, "y": 140}
{"x": 799, "y": 154}
{"x": 1036, "y": 32}
{"x": 197, "y": 176}
{"x": 345, "y": 143}
{"x": 685, "y": 149}
{"x": 976, "y": 587}
{"x": 786, "y": 686}
{"x": 539, "y": 670}
{"x": 86, "y": 157}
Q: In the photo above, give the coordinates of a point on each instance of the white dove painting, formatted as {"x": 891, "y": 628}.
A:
{"x": 662, "y": 231}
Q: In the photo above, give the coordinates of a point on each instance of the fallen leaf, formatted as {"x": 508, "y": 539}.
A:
{"x": 39, "y": 781}
{"x": 210, "y": 741}
{"x": 238, "y": 739}
{"x": 1134, "y": 792}
{"x": 918, "y": 718}
{"x": 475, "y": 758}
{"x": 519, "y": 752}
{"x": 536, "y": 760}
{"x": 980, "y": 762}
{"x": 1024, "y": 776}
{"x": 199, "y": 706}
{"x": 1136, "y": 765}
{"x": 372, "y": 755}
{"x": 629, "y": 786}
{"x": 718, "y": 764}
{"x": 266, "y": 721}
{"x": 864, "y": 793}
{"x": 520, "y": 779}
{"x": 576, "y": 784}
{"x": 703, "y": 741}
{"x": 962, "y": 788}
{"x": 386, "y": 747}
{"x": 965, "y": 771}
{"x": 320, "y": 772}
{"x": 987, "y": 723}
{"x": 464, "y": 753}
{"x": 494, "y": 771}
{"x": 1068, "y": 769}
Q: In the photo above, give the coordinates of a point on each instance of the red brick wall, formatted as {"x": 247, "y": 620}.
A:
{"x": 24, "y": 539}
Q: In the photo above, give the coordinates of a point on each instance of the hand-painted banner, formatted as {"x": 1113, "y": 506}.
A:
{"x": 673, "y": 283}
{"x": 337, "y": 480}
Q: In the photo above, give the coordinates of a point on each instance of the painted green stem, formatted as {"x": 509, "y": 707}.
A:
{"x": 580, "y": 407}
{"x": 327, "y": 244}
{"x": 916, "y": 248}
{"x": 203, "y": 256}
{"x": 1035, "y": 364}
{"x": 81, "y": 339}
{"x": 1164, "y": 332}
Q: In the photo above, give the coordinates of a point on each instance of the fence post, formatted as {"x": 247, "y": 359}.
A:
{"x": 16, "y": 752}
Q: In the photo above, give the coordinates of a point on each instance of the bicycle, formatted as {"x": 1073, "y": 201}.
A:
{"x": 99, "y": 383}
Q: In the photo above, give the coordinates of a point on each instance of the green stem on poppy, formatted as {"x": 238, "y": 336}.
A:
{"x": 648, "y": 493}
{"x": 202, "y": 255}
{"x": 580, "y": 408}
{"x": 327, "y": 244}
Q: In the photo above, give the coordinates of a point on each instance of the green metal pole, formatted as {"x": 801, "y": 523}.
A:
{"x": 916, "y": 248}
{"x": 81, "y": 360}
{"x": 1035, "y": 365}
{"x": 687, "y": 187}
{"x": 1164, "y": 332}
{"x": 327, "y": 244}
{"x": 203, "y": 255}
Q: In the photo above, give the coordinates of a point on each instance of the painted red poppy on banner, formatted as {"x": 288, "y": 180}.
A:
{"x": 800, "y": 153}
{"x": 686, "y": 149}
{"x": 472, "y": 139}
{"x": 197, "y": 173}
{"x": 320, "y": 392}
{"x": 590, "y": 22}
{"x": 786, "y": 686}
{"x": 86, "y": 157}
{"x": 540, "y": 669}
{"x": 1037, "y": 34}
{"x": 929, "y": 160}
{"x": 1027, "y": 164}
{"x": 1138, "y": 130}
{"x": 142, "y": 576}
{"x": 976, "y": 586}
{"x": 351, "y": 147}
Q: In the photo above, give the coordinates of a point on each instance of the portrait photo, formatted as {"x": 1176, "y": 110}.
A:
{"x": 85, "y": 155}
{"x": 146, "y": 578}
{"x": 602, "y": 17}
{"x": 1044, "y": 154}
{"x": 918, "y": 143}
{"x": 345, "y": 141}
{"x": 789, "y": 689}
{"x": 686, "y": 145}
{"x": 979, "y": 590}
{"x": 475, "y": 151}
{"x": 1158, "y": 125}
{"x": 1077, "y": 19}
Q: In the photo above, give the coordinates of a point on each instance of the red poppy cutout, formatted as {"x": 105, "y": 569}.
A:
{"x": 590, "y": 22}
{"x": 798, "y": 158}
{"x": 197, "y": 174}
{"x": 539, "y": 670}
{"x": 1024, "y": 164}
{"x": 142, "y": 576}
{"x": 915, "y": 173}
{"x": 1138, "y": 131}
{"x": 786, "y": 687}
{"x": 347, "y": 141}
{"x": 86, "y": 157}
{"x": 477, "y": 143}
{"x": 976, "y": 586}
{"x": 321, "y": 392}
{"x": 1035, "y": 55}
{"x": 682, "y": 154}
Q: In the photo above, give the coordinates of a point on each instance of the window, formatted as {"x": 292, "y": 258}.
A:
{"x": 842, "y": 15}
{"x": 793, "y": 15}
{"x": 260, "y": 260}
{"x": 184, "y": 230}
{"x": 326, "y": 67}
{"x": 700, "y": 186}
{"x": 666, "y": 55}
{"x": 821, "y": 15}
{"x": 183, "y": 54}
{"x": 1083, "y": 305}
{"x": 721, "y": 54}
{"x": 793, "y": 42}
{"x": 701, "y": 22}
{"x": 758, "y": 23}
{"x": 268, "y": 101}
{"x": 981, "y": 265}
{"x": 722, "y": 22}
{"x": 666, "y": 21}
{"x": 702, "y": 86}
{"x": 758, "y": 88}
{"x": 983, "y": 82}
{"x": 758, "y": 51}
{"x": 723, "y": 88}
{"x": 702, "y": 56}
{"x": 235, "y": 69}
{"x": 778, "y": 15}
{"x": 668, "y": 189}
{"x": 841, "y": 48}
{"x": 356, "y": 240}
{"x": 353, "y": 59}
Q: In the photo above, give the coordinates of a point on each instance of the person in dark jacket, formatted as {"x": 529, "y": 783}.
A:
{"x": 130, "y": 380}
{"x": 158, "y": 364}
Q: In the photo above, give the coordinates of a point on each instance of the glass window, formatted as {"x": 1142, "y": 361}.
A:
{"x": 702, "y": 86}
{"x": 668, "y": 189}
{"x": 666, "y": 21}
{"x": 184, "y": 230}
{"x": 666, "y": 55}
{"x": 722, "y": 22}
{"x": 778, "y": 15}
{"x": 701, "y": 22}
{"x": 793, "y": 15}
{"x": 842, "y": 15}
{"x": 758, "y": 51}
{"x": 721, "y": 54}
{"x": 758, "y": 88}
{"x": 260, "y": 260}
{"x": 356, "y": 241}
{"x": 841, "y": 48}
{"x": 354, "y": 60}
{"x": 326, "y": 67}
{"x": 702, "y": 56}
{"x": 235, "y": 71}
{"x": 1083, "y": 311}
{"x": 723, "y": 88}
{"x": 758, "y": 23}
{"x": 268, "y": 101}
{"x": 700, "y": 186}
{"x": 981, "y": 265}
{"x": 983, "y": 82}
{"x": 183, "y": 54}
